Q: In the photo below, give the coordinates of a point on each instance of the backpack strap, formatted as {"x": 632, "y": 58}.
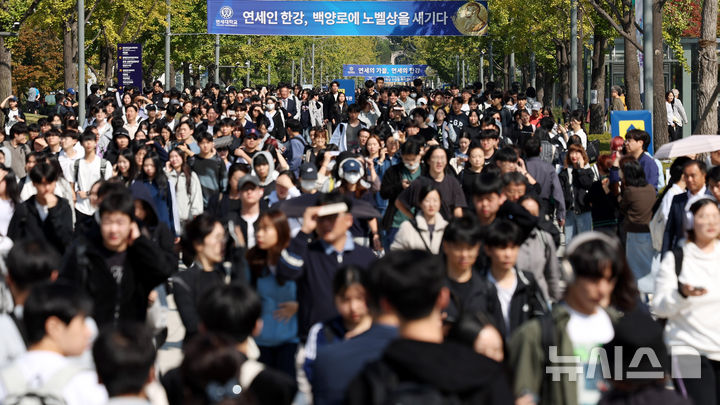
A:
{"x": 103, "y": 163}
{"x": 20, "y": 327}
{"x": 76, "y": 167}
{"x": 414, "y": 224}
{"x": 678, "y": 254}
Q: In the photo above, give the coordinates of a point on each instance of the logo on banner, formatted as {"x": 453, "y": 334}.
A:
{"x": 226, "y": 12}
{"x": 471, "y": 19}
{"x": 225, "y": 20}
{"x": 628, "y": 125}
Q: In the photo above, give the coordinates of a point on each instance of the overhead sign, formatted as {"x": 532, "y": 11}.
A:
{"x": 347, "y": 18}
{"x": 393, "y": 79}
{"x": 623, "y": 121}
{"x": 129, "y": 62}
{"x": 384, "y": 70}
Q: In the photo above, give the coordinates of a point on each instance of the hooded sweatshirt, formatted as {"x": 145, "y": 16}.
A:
{"x": 268, "y": 184}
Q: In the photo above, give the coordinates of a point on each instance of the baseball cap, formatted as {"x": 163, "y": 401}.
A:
{"x": 13, "y": 98}
{"x": 422, "y": 101}
{"x": 121, "y": 132}
{"x": 351, "y": 165}
{"x": 537, "y": 106}
{"x": 151, "y": 107}
{"x": 248, "y": 178}
{"x": 308, "y": 171}
{"x": 252, "y": 132}
{"x": 71, "y": 91}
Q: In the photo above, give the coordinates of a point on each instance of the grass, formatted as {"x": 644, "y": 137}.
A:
{"x": 33, "y": 118}
{"x": 604, "y": 141}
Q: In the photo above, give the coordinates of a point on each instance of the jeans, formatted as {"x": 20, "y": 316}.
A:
{"x": 640, "y": 255}
{"x": 389, "y": 238}
{"x": 576, "y": 223}
{"x": 703, "y": 390}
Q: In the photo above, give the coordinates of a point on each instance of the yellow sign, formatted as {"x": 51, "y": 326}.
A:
{"x": 626, "y": 125}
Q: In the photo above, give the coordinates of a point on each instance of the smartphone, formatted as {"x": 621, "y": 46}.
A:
{"x": 332, "y": 209}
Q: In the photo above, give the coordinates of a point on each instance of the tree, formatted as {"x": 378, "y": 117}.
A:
{"x": 708, "y": 70}
{"x": 37, "y": 57}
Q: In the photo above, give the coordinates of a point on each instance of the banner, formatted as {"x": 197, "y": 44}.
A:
{"x": 129, "y": 65}
{"x": 623, "y": 121}
{"x": 393, "y": 79}
{"x": 348, "y": 87}
{"x": 347, "y": 18}
{"x": 384, "y": 70}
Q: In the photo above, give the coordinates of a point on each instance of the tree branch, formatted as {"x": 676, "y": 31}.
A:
{"x": 615, "y": 25}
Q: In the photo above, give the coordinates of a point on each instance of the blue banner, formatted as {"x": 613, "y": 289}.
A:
{"x": 348, "y": 87}
{"x": 129, "y": 60}
{"x": 347, "y": 18}
{"x": 623, "y": 121}
{"x": 384, "y": 70}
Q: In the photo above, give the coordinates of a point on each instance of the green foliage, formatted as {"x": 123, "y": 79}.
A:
{"x": 675, "y": 23}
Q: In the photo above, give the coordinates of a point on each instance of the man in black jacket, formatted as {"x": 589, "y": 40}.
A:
{"x": 330, "y": 100}
{"x": 44, "y": 215}
{"x": 419, "y": 367}
{"x": 120, "y": 269}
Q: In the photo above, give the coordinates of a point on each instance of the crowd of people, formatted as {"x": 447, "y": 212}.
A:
{"x": 417, "y": 246}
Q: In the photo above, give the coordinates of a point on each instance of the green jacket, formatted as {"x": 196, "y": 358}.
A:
{"x": 527, "y": 359}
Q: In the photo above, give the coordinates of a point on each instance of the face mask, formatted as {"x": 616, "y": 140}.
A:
{"x": 498, "y": 123}
{"x": 331, "y": 165}
{"x": 413, "y": 95}
{"x": 352, "y": 178}
{"x": 270, "y": 106}
{"x": 411, "y": 166}
{"x": 57, "y": 126}
{"x": 166, "y": 100}
{"x": 307, "y": 184}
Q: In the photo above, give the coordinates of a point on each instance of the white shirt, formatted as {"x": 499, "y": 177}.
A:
{"x": 581, "y": 134}
{"x": 11, "y": 342}
{"x": 87, "y": 175}
{"x": 43, "y": 210}
{"x": 250, "y": 219}
{"x": 505, "y": 296}
{"x": 39, "y": 366}
{"x": 68, "y": 163}
{"x": 7, "y": 209}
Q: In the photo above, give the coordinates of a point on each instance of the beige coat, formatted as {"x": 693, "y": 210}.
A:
{"x": 408, "y": 237}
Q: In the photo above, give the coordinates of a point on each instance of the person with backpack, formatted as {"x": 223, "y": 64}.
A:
{"x": 54, "y": 318}
{"x": 594, "y": 263}
{"x": 121, "y": 267}
{"x": 86, "y": 172}
{"x": 44, "y": 215}
{"x": 420, "y": 368}
{"x": 296, "y": 147}
{"x": 29, "y": 263}
{"x": 687, "y": 294}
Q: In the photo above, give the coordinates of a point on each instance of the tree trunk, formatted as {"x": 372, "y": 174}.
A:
{"x": 580, "y": 65}
{"x": 70, "y": 53}
{"x": 708, "y": 70}
{"x": 597, "y": 83}
{"x": 561, "y": 50}
{"x": 632, "y": 77}
{"x": 5, "y": 73}
{"x": 660, "y": 129}
{"x": 171, "y": 79}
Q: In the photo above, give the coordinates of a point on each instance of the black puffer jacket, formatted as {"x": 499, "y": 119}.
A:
{"x": 576, "y": 192}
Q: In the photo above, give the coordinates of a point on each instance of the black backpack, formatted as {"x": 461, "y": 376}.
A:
{"x": 396, "y": 392}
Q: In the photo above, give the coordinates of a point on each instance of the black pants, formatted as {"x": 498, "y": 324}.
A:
{"x": 706, "y": 389}
{"x": 674, "y": 132}
{"x": 281, "y": 357}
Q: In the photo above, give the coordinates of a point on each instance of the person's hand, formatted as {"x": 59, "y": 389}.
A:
{"x": 405, "y": 183}
{"x": 377, "y": 243}
{"x": 310, "y": 218}
{"x": 383, "y": 153}
{"x": 690, "y": 291}
{"x": 134, "y": 233}
{"x": 561, "y": 223}
{"x": 152, "y": 297}
{"x": 580, "y": 162}
{"x": 19, "y": 119}
{"x": 521, "y": 166}
{"x": 285, "y": 311}
{"x": 183, "y": 147}
{"x": 168, "y": 168}
{"x": 51, "y": 200}
{"x": 526, "y": 399}
{"x": 606, "y": 185}
{"x": 432, "y": 142}
{"x": 82, "y": 194}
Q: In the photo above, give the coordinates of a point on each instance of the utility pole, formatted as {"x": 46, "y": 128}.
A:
{"x": 482, "y": 69}
{"x": 313, "y": 63}
{"x": 247, "y": 66}
{"x": 648, "y": 55}
{"x": 217, "y": 58}
{"x": 573, "y": 55}
{"x": 268, "y": 74}
{"x": 512, "y": 67}
{"x": 463, "y": 73}
{"x": 457, "y": 69}
{"x": 167, "y": 47}
{"x": 491, "y": 60}
{"x": 321, "y": 74}
{"x": 532, "y": 69}
{"x": 302, "y": 77}
{"x": 292, "y": 74}
{"x": 81, "y": 59}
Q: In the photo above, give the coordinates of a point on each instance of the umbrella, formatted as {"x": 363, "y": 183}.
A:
{"x": 689, "y": 146}
{"x": 295, "y": 207}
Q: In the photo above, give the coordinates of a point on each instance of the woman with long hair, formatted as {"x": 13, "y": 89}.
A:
{"x": 9, "y": 199}
{"x": 636, "y": 203}
{"x": 576, "y": 178}
{"x": 153, "y": 176}
{"x": 446, "y": 135}
{"x": 672, "y": 119}
{"x": 204, "y": 243}
{"x": 186, "y": 184}
{"x": 278, "y": 341}
{"x": 425, "y": 231}
{"x": 687, "y": 294}
{"x": 339, "y": 111}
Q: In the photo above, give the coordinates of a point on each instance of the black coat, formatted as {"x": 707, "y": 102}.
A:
{"x": 57, "y": 228}
{"x": 576, "y": 193}
{"x": 144, "y": 269}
